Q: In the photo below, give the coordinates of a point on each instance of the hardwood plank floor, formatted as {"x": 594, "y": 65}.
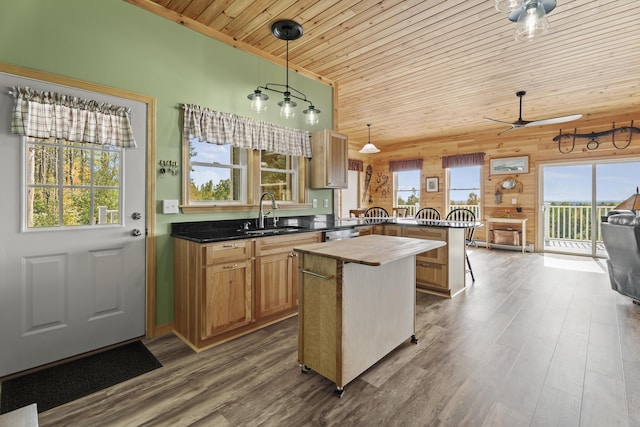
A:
{"x": 537, "y": 340}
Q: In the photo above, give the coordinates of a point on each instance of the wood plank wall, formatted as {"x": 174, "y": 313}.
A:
{"x": 536, "y": 142}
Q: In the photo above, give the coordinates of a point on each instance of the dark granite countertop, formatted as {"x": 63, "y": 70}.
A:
{"x": 217, "y": 231}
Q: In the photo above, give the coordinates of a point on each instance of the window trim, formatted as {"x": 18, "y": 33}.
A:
{"x": 252, "y": 187}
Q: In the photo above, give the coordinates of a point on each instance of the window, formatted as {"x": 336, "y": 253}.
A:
{"x": 218, "y": 173}
{"x": 70, "y": 184}
{"x": 464, "y": 188}
{"x": 228, "y": 178}
{"x": 407, "y": 190}
{"x": 278, "y": 175}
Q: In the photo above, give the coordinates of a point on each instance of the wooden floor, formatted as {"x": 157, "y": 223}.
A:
{"x": 538, "y": 340}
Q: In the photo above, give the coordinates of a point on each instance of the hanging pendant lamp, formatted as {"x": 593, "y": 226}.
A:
{"x": 531, "y": 19}
{"x": 369, "y": 148}
{"x": 285, "y": 30}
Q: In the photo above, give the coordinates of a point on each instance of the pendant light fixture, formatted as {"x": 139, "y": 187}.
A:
{"x": 507, "y": 5}
{"x": 531, "y": 18}
{"x": 285, "y": 30}
{"x": 369, "y": 148}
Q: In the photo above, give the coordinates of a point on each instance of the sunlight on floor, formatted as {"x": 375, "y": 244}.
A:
{"x": 575, "y": 263}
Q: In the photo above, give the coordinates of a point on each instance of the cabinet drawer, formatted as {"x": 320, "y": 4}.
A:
{"x": 437, "y": 256}
{"x": 227, "y": 251}
{"x": 277, "y": 244}
{"x": 431, "y": 275}
{"x": 428, "y": 233}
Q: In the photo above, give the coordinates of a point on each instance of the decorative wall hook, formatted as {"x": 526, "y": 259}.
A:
{"x": 168, "y": 167}
{"x": 593, "y": 137}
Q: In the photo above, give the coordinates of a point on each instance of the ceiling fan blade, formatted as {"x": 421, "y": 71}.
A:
{"x": 554, "y": 120}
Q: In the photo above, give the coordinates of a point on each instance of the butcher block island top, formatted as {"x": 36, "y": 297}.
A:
{"x": 357, "y": 302}
{"x": 371, "y": 250}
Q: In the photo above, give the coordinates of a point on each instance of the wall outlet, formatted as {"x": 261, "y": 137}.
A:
{"x": 514, "y": 201}
{"x": 314, "y": 203}
{"x": 326, "y": 203}
{"x": 170, "y": 207}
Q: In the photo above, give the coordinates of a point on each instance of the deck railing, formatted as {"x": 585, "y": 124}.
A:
{"x": 572, "y": 222}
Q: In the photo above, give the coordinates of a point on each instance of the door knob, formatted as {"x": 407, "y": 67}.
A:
{"x": 136, "y": 232}
{"x": 136, "y": 215}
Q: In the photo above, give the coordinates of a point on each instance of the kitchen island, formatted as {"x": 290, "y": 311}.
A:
{"x": 356, "y": 302}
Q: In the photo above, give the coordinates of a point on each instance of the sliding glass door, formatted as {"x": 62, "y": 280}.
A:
{"x": 575, "y": 196}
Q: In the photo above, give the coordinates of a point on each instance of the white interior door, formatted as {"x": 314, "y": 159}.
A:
{"x": 69, "y": 290}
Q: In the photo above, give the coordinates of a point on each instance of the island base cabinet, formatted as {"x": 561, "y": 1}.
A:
{"x": 351, "y": 315}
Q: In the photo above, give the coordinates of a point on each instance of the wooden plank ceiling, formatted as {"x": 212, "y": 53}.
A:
{"x": 419, "y": 69}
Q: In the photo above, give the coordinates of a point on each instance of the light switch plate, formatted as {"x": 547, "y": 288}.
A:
{"x": 170, "y": 207}
{"x": 315, "y": 203}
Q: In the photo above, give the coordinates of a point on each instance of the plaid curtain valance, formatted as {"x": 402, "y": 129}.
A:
{"x": 47, "y": 115}
{"x": 215, "y": 127}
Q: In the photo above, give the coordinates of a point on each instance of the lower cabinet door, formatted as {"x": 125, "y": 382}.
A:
{"x": 227, "y": 297}
{"x": 431, "y": 275}
{"x": 274, "y": 284}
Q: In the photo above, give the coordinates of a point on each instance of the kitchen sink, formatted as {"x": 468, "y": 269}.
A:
{"x": 272, "y": 230}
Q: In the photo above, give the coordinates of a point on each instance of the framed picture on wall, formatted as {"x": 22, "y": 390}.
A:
{"x": 432, "y": 184}
{"x": 509, "y": 165}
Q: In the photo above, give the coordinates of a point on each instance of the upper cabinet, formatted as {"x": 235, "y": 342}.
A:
{"x": 330, "y": 159}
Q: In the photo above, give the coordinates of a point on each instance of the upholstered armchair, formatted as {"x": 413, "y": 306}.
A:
{"x": 621, "y": 235}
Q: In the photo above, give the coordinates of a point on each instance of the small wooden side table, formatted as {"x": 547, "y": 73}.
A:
{"x": 521, "y": 221}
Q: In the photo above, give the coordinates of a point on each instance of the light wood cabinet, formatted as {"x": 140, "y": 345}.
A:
{"x": 440, "y": 271}
{"x": 276, "y": 273}
{"x": 212, "y": 289}
{"x": 227, "y": 289}
{"x": 330, "y": 159}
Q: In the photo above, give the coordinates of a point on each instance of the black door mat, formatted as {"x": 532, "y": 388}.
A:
{"x": 63, "y": 383}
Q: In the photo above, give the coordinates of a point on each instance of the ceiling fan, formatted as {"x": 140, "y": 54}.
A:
{"x": 525, "y": 123}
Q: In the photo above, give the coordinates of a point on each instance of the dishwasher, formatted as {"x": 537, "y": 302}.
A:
{"x": 343, "y": 233}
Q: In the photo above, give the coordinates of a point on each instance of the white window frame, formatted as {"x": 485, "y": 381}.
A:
{"x": 244, "y": 176}
{"x": 480, "y": 190}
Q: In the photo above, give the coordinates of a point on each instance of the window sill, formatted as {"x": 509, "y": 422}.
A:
{"x": 239, "y": 208}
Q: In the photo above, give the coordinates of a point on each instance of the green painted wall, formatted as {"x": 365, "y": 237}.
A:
{"x": 113, "y": 43}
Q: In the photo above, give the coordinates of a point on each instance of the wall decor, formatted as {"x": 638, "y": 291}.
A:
{"x": 431, "y": 184}
{"x": 509, "y": 165}
{"x": 624, "y": 134}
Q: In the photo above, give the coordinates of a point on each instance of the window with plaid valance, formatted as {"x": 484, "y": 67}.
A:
{"x": 45, "y": 115}
{"x": 215, "y": 127}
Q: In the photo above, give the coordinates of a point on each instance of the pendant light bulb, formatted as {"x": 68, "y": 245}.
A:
{"x": 532, "y": 22}
{"x": 369, "y": 148}
{"x": 258, "y": 101}
{"x": 311, "y": 117}
{"x": 287, "y": 108}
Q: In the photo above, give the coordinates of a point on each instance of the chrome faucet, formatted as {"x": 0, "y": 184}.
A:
{"x": 261, "y": 216}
